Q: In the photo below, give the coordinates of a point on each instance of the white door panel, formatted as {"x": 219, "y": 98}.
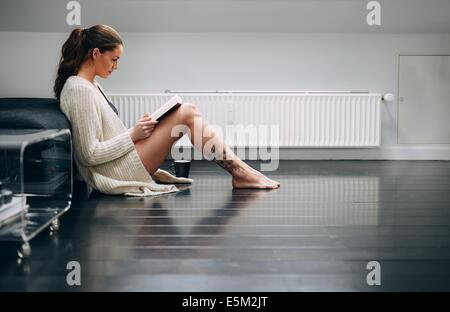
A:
{"x": 424, "y": 99}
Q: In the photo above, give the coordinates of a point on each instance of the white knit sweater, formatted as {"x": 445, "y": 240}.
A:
{"x": 104, "y": 152}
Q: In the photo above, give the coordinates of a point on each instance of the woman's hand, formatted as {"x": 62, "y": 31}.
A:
{"x": 144, "y": 128}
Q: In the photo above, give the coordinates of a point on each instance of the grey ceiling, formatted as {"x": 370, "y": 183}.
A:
{"x": 299, "y": 16}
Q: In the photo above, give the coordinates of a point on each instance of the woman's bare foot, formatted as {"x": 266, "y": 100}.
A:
{"x": 259, "y": 173}
{"x": 247, "y": 177}
{"x": 243, "y": 175}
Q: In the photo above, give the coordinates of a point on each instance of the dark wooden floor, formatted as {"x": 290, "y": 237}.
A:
{"x": 316, "y": 233}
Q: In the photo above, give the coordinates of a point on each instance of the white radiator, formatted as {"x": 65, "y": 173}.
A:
{"x": 304, "y": 120}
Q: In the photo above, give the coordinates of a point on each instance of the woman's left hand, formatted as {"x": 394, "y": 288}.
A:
{"x": 143, "y": 128}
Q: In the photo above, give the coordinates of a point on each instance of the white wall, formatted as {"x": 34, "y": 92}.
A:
{"x": 154, "y": 62}
{"x": 238, "y": 45}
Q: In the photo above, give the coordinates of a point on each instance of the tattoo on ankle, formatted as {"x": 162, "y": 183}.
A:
{"x": 225, "y": 164}
{"x": 228, "y": 164}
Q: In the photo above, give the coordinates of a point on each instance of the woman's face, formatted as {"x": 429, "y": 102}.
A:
{"x": 105, "y": 63}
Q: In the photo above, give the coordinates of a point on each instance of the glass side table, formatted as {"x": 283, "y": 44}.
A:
{"x": 36, "y": 183}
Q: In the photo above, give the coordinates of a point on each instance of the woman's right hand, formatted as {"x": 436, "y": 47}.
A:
{"x": 143, "y": 128}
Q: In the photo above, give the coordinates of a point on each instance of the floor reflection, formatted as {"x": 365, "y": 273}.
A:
{"x": 190, "y": 232}
{"x": 316, "y": 232}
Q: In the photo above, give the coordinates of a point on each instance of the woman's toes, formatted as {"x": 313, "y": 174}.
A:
{"x": 277, "y": 183}
{"x": 273, "y": 182}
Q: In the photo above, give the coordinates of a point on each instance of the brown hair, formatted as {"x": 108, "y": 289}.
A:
{"x": 78, "y": 48}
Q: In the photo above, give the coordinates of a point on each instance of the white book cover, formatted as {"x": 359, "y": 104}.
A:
{"x": 10, "y": 211}
{"x": 174, "y": 102}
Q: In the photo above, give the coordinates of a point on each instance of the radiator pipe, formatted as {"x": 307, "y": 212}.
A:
{"x": 388, "y": 97}
{"x": 262, "y": 92}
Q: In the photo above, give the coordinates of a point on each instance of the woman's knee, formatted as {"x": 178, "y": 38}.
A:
{"x": 187, "y": 112}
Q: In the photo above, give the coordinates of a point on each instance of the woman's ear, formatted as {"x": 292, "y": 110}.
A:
{"x": 95, "y": 53}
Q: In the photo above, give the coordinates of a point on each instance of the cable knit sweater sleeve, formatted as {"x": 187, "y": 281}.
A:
{"x": 86, "y": 121}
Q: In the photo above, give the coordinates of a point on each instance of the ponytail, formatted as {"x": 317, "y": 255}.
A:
{"x": 78, "y": 48}
{"x": 71, "y": 58}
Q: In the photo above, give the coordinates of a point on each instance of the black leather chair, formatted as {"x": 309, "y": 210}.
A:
{"x": 35, "y": 113}
{"x": 31, "y": 113}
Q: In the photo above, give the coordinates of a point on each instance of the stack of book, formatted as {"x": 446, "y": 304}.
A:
{"x": 11, "y": 207}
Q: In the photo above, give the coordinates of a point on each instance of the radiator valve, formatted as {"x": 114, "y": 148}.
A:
{"x": 388, "y": 97}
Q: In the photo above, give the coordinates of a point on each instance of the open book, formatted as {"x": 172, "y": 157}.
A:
{"x": 170, "y": 105}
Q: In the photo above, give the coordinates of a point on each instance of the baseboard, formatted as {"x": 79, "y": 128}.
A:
{"x": 382, "y": 153}
{"x": 399, "y": 152}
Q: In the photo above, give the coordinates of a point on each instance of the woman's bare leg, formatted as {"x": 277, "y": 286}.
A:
{"x": 154, "y": 149}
